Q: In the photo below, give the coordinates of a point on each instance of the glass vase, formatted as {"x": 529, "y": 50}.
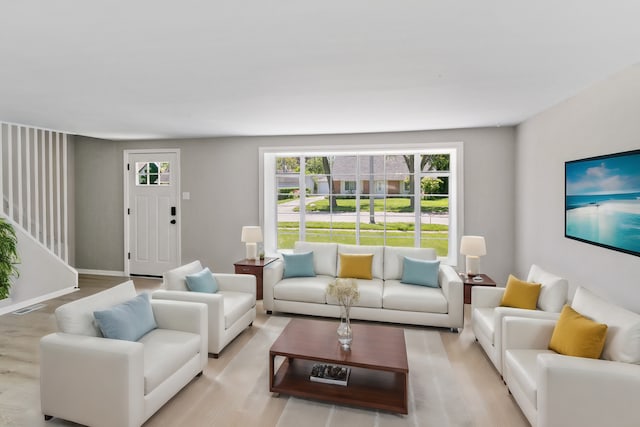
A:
{"x": 345, "y": 333}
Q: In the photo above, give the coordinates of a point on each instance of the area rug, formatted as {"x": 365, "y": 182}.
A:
{"x": 434, "y": 395}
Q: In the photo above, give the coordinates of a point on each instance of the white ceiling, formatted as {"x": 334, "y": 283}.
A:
{"x": 123, "y": 69}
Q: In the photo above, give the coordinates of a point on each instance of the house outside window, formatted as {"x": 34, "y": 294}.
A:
{"x": 349, "y": 187}
{"x": 400, "y": 197}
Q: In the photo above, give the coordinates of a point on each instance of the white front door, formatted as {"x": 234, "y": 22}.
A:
{"x": 152, "y": 212}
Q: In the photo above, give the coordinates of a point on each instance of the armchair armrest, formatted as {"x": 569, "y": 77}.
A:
{"x": 236, "y": 282}
{"x": 214, "y": 302}
{"x": 186, "y": 316}
{"x": 453, "y": 290}
{"x": 92, "y": 371}
{"x": 271, "y": 275}
{"x": 485, "y": 297}
{"x": 181, "y": 315}
{"x": 524, "y": 333}
{"x": 586, "y": 392}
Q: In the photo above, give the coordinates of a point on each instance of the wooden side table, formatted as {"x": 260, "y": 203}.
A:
{"x": 469, "y": 283}
{"x": 250, "y": 266}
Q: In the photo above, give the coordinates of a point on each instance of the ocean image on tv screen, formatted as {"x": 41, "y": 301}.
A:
{"x": 603, "y": 201}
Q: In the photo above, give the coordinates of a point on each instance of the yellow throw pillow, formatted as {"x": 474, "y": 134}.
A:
{"x": 356, "y": 266}
{"x": 520, "y": 294}
{"x": 577, "y": 335}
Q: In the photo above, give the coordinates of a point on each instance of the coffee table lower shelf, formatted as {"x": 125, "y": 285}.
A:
{"x": 369, "y": 388}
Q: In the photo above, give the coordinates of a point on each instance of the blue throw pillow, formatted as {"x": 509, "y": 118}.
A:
{"x": 202, "y": 282}
{"x": 128, "y": 321}
{"x": 420, "y": 272}
{"x": 298, "y": 265}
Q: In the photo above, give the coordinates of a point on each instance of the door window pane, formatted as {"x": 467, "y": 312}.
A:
{"x": 153, "y": 173}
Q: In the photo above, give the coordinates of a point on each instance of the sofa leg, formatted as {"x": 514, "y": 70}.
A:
{"x": 199, "y": 374}
{"x": 269, "y": 312}
{"x": 48, "y": 417}
{"x": 454, "y": 330}
{"x": 214, "y": 355}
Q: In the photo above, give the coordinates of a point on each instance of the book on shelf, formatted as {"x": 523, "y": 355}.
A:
{"x": 330, "y": 374}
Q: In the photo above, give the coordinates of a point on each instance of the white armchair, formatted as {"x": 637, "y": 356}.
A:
{"x": 487, "y": 315}
{"x": 231, "y": 310}
{"x": 555, "y": 390}
{"x": 98, "y": 381}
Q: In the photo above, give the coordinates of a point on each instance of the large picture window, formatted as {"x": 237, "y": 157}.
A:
{"x": 404, "y": 197}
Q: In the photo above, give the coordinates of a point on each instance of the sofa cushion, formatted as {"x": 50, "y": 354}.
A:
{"x": 554, "y": 290}
{"x": 76, "y": 317}
{"x": 203, "y": 281}
{"x": 623, "y": 335}
{"x": 577, "y": 335}
{"x": 165, "y": 352}
{"x": 355, "y": 266}
{"x": 325, "y": 256}
{"x": 127, "y": 321}
{"x": 376, "y": 263}
{"x": 298, "y": 265}
{"x": 399, "y": 296}
{"x": 174, "y": 280}
{"x": 520, "y": 294}
{"x": 394, "y": 259}
{"x": 420, "y": 272}
{"x": 370, "y": 294}
{"x": 523, "y": 365}
{"x": 236, "y": 304}
{"x": 303, "y": 289}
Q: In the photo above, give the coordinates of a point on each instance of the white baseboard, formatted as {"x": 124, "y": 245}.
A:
{"x": 32, "y": 301}
{"x": 5, "y": 302}
{"x": 102, "y": 272}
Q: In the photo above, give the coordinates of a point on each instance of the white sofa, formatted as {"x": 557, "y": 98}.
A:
{"x": 383, "y": 298}
{"x": 231, "y": 309}
{"x": 555, "y": 390}
{"x": 97, "y": 381}
{"x": 487, "y": 315}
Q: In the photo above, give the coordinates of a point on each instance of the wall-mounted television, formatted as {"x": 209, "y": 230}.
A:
{"x": 602, "y": 201}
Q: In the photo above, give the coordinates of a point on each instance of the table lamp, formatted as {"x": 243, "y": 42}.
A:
{"x": 473, "y": 247}
{"x": 251, "y": 235}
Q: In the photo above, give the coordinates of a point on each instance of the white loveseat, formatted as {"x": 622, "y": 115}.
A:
{"x": 556, "y": 390}
{"x": 487, "y": 315}
{"x": 231, "y": 309}
{"x": 383, "y": 298}
{"x": 98, "y": 381}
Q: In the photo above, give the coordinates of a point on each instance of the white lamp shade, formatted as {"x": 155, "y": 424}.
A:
{"x": 473, "y": 246}
{"x": 251, "y": 234}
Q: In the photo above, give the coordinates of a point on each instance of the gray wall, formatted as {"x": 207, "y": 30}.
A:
{"x": 602, "y": 119}
{"x": 222, "y": 176}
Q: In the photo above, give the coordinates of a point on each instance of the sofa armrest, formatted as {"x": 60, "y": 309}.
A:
{"x": 500, "y": 313}
{"x": 236, "y": 282}
{"x": 92, "y": 371}
{"x": 485, "y": 297}
{"x": 586, "y": 392}
{"x": 524, "y": 333}
{"x": 271, "y": 275}
{"x": 453, "y": 290}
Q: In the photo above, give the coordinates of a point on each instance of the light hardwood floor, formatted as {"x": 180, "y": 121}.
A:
{"x": 484, "y": 394}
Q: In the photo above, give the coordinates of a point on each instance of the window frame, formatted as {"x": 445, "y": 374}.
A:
{"x": 267, "y": 172}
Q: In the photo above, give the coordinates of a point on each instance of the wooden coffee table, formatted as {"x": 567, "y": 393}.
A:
{"x": 378, "y": 361}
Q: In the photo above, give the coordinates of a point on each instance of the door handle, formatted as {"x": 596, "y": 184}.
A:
{"x": 173, "y": 221}
{"x": 173, "y": 211}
